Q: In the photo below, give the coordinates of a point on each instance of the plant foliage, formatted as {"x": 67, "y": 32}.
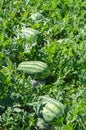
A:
{"x": 61, "y": 44}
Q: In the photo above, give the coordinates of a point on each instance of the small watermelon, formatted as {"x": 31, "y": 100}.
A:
{"x": 50, "y": 109}
{"x": 39, "y": 69}
{"x": 36, "y": 16}
{"x": 29, "y": 32}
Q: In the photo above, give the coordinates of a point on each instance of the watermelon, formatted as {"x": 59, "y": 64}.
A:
{"x": 50, "y": 109}
{"x": 36, "y": 16}
{"x": 38, "y": 69}
{"x": 29, "y": 32}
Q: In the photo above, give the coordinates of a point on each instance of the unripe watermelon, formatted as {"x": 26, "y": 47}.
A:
{"x": 39, "y": 69}
{"x": 50, "y": 109}
{"x": 30, "y": 33}
{"x": 36, "y": 16}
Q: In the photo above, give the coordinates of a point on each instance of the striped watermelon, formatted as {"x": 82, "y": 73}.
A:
{"x": 50, "y": 109}
{"x": 36, "y": 16}
{"x": 39, "y": 69}
{"x": 29, "y": 32}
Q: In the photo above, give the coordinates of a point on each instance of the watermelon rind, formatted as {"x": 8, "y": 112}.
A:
{"x": 50, "y": 109}
{"x": 30, "y": 33}
{"x": 36, "y": 16}
{"x": 39, "y": 69}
